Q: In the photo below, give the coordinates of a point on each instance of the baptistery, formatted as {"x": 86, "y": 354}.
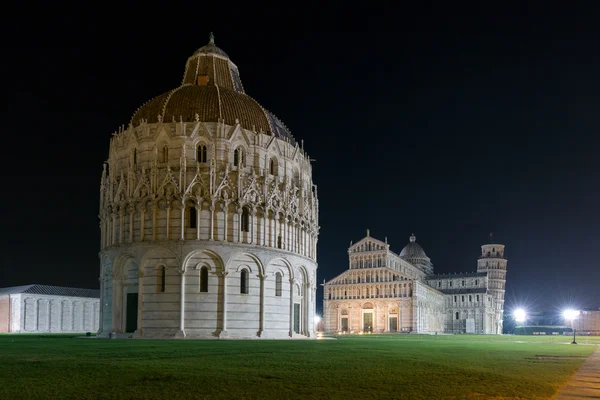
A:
{"x": 208, "y": 216}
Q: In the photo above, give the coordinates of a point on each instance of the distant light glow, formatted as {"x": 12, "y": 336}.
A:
{"x": 520, "y": 315}
{"x": 317, "y": 319}
{"x": 570, "y": 314}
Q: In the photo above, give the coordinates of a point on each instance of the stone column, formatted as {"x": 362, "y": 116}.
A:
{"x": 239, "y": 226}
{"x": 226, "y": 214}
{"x": 275, "y": 230}
{"x": 114, "y": 229}
{"x": 308, "y": 324}
{"x": 154, "y": 218}
{"x": 223, "y": 332}
{"x": 117, "y": 305}
{"x": 291, "y": 307}
{"x": 198, "y": 210}
{"x": 261, "y": 329}
{"x": 131, "y": 224}
{"x": 252, "y": 227}
{"x": 181, "y": 333}
{"x": 121, "y": 226}
{"x": 183, "y": 220}
{"x": 142, "y": 223}
{"x": 140, "y": 319}
{"x": 264, "y": 227}
{"x": 168, "y": 220}
{"x": 211, "y": 229}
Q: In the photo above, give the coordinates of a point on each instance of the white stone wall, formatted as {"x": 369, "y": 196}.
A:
{"x": 471, "y": 313}
{"x": 32, "y": 313}
{"x": 184, "y": 213}
{"x": 219, "y": 312}
{"x": 588, "y": 321}
{"x": 151, "y": 199}
{"x": 382, "y": 310}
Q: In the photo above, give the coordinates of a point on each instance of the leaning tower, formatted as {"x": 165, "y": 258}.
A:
{"x": 493, "y": 262}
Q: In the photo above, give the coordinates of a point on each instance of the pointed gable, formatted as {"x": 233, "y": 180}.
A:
{"x": 368, "y": 243}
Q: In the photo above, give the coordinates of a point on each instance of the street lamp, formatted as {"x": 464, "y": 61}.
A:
{"x": 520, "y": 315}
{"x": 571, "y": 315}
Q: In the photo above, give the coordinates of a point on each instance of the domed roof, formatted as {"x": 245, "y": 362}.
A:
{"x": 211, "y": 92}
{"x": 413, "y": 250}
{"x": 209, "y": 102}
{"x": 210, "y": 48}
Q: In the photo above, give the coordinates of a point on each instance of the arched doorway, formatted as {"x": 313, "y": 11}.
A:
{"x": 393, "y": 320}
{"x": 368, "y": 318}
{"x": 297, "y": 325}
{"x": 344, "y": 322}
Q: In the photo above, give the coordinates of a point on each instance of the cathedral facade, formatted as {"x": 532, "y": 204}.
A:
{"x": 208, "y": 216}
{"x": 383, "y": 292}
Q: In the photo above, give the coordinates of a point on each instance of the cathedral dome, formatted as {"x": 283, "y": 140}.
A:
{"x": 211, "y": 91}
{"x": 413, "y": 250}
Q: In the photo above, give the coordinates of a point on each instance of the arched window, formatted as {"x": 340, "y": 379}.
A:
{"x": 245, "y": 220}
{"x": 204, "y": 279}
{"x": 470, "y": 298}
{"x": 134, "y": 157}
{"x": 279, "y": 245}
{"x": 278, "y": 284}
{"x": 238, "y": 157}
{"x": 201, "y": 155}
{"x": 165, "y": 153}
{"x": 462, "y": 298}
{"x": 244, "y": 282}
{"x": 193, "y": 217}
{"x": 273, "y": 166}
{"x": 457, "y": 315}
{"x": 476, "y": 282}
{"x": 162, "y": 279}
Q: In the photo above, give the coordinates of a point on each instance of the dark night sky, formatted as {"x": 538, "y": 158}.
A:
{"x": 447, "y": 129}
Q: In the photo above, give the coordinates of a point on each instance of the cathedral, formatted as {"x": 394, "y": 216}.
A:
{"x": 383, "y": 292}
{"x": 208, "y": 216}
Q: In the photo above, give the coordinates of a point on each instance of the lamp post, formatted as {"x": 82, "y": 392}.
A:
{"x": 571, "y": 315}
{"x": 520, "y": 315}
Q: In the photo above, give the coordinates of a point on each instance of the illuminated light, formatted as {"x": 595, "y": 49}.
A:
{"x": 317, "y": 319}
{"x": 570, "y": 314}
{"x": 520, "y": 315}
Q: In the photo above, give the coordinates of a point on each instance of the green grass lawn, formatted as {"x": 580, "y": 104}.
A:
{"x": 352, "y": 367}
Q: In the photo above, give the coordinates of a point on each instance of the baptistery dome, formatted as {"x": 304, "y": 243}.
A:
{"x": 208, "y": 215}
{"x": 211, "y": 91}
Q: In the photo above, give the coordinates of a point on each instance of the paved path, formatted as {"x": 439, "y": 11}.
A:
{"x": 585, "y": 383}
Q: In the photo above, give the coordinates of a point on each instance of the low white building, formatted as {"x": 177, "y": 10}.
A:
{"x": 48, "y": 309}
{"x": 588, "y": 322}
